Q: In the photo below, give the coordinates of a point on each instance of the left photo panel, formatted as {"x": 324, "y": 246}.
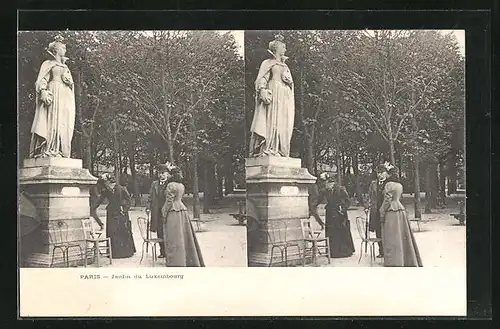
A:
{"x": 131, "y": 149}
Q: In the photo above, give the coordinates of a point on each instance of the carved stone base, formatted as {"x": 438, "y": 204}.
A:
{"x": 277, "y": 198}
{"x": 59, "y": 188}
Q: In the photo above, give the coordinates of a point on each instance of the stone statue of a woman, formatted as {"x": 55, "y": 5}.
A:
{"x": 272, "y": 124}
{"x": 54, "y": 122}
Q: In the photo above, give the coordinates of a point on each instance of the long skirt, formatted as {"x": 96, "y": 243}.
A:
{"x": 181, "y": 245}
{"x": 119, "y": 229}
{"x": 338, "y": 231}
{"x": 400, "y": 247}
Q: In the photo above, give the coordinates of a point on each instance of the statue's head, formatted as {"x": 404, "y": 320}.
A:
{"x": 277, "y": 46}
{"x": 57, "y": 47}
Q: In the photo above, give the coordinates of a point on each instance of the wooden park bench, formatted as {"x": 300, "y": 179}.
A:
{"x": 241, "y": 216}
{"x": 461, "y": 215}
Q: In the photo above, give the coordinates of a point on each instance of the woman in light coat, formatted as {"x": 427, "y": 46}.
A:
{"x": 400, "y": 247}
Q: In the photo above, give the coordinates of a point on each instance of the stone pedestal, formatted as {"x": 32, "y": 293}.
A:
{"x": 59, "y": 187}
{"x": 277, "y": 198}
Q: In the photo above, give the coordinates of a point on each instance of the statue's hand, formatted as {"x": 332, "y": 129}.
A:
{"x": 46, "y": 97}
{"x": 266, "y": 96}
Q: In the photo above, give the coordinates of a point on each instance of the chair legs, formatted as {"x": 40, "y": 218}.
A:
{"x": 142, "y": 254}
{"x": 371, "y": 246}
{"x": 64, "y": 254}
{"x": 67, "y": 253}
{"x": 272, "y": 254}
{"x": 110, "y": 251}
{"x": 361, "y": 251}
{"x": 328, "y": 256}
{"x": 153, "y": 247}
{"x": 154, "y": 254}
{"x": 372, "y": 253}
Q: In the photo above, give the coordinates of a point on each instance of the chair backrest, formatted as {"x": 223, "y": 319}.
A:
{"x": 88, "y": 229}
{"x": 143, "y": 224}
{"x": 277, "y": 230}
{"x": 58, "y": 231}
{"x": 361, "y": 226}
{"x": 307, "y": 231}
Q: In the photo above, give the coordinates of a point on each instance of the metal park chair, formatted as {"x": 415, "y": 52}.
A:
{"x": 314, "y": 243}
{"x": 277, "y": 233}
{"x": 58, "y": 235}
{"x": 94, "y": 244}
{"x": 144, "y": 224}
{"x": 366, "y": 240}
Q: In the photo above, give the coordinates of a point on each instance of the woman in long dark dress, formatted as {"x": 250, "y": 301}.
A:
{"x": 338, "y": 228}
{"x": 118, "y": 224}
{"x": 181, "y": 245}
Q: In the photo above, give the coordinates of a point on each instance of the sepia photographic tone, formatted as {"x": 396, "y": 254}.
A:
{"x": 272, "y": 148}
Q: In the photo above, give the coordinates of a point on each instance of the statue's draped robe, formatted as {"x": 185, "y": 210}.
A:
{"x": 272, "y": 124}
{"x": 53, "y": 125}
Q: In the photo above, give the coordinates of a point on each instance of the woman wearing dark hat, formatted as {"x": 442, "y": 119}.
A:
{"x": 118, "y": 224}
{"x": 338, "y": 228}
{"x": 400, "y": 247}
{"x": 181, "y": 245}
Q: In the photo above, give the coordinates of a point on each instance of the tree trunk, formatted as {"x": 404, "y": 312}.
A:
{"x": 123, "y": 161}
{"x": 117, "y": 152}
{"x": 310, "y": 153}
{"x": 357, "y": 186}
{"x": 229, "y": 177}
{"x": 391, "y": 151}
{"x": 442, "y": 183}
{"x": 133, "y": 172}
{"x": 196, "y": 187}
{"x": 212, "y": 177}
{"x": 218, "y": 182}
{"x": 206, "y": 189}
{"x": 430, "y": 189}
{"x": 337, "y": 153}
{"x": 452, "y": 174}
{"x": 416, "y": 174}
{"x": 416, "y": 187}
{"x": 87, "y": 150}
{"x": 194, "y": 168}
{"x": 152, "y": 161}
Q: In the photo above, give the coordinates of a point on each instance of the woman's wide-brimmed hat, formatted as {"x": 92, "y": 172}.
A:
{"x": 324, "y": 176}
{"x": 381, "y": 168}
{"x": 388, "y": 167}
{"x": 331, "y": 179}
{"x": 107, "y": 177}
{"x": 166, "y": 167}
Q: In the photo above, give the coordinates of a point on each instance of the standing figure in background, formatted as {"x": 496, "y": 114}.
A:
{"x": 338, "y": 228}
{"x": 400, "y": 247}
{"x": 54, "y": 122}
{"x": 272, "y": 125}
{"x": 375, "y": 199}
{"x": 95, "y": 193}
{"x": 156, "y": 200}
{"x": 181, "y": 245}
{"x": 316, "y": 195}
{"x": 118, "y": 224}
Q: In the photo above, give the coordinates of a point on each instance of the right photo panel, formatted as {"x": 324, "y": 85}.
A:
{"x": 355, "y": 151}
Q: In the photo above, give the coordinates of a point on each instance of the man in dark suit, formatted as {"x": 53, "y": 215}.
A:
{"x": 155, "y": 202}
{"x": 316, "y": 195}
{"x": 375, "y": 199}
{"x": 95, "y": 193}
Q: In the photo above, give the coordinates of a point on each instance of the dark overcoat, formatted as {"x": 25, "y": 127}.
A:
{"x": 156, "y": 200}
{"x": 375, "y": 198}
